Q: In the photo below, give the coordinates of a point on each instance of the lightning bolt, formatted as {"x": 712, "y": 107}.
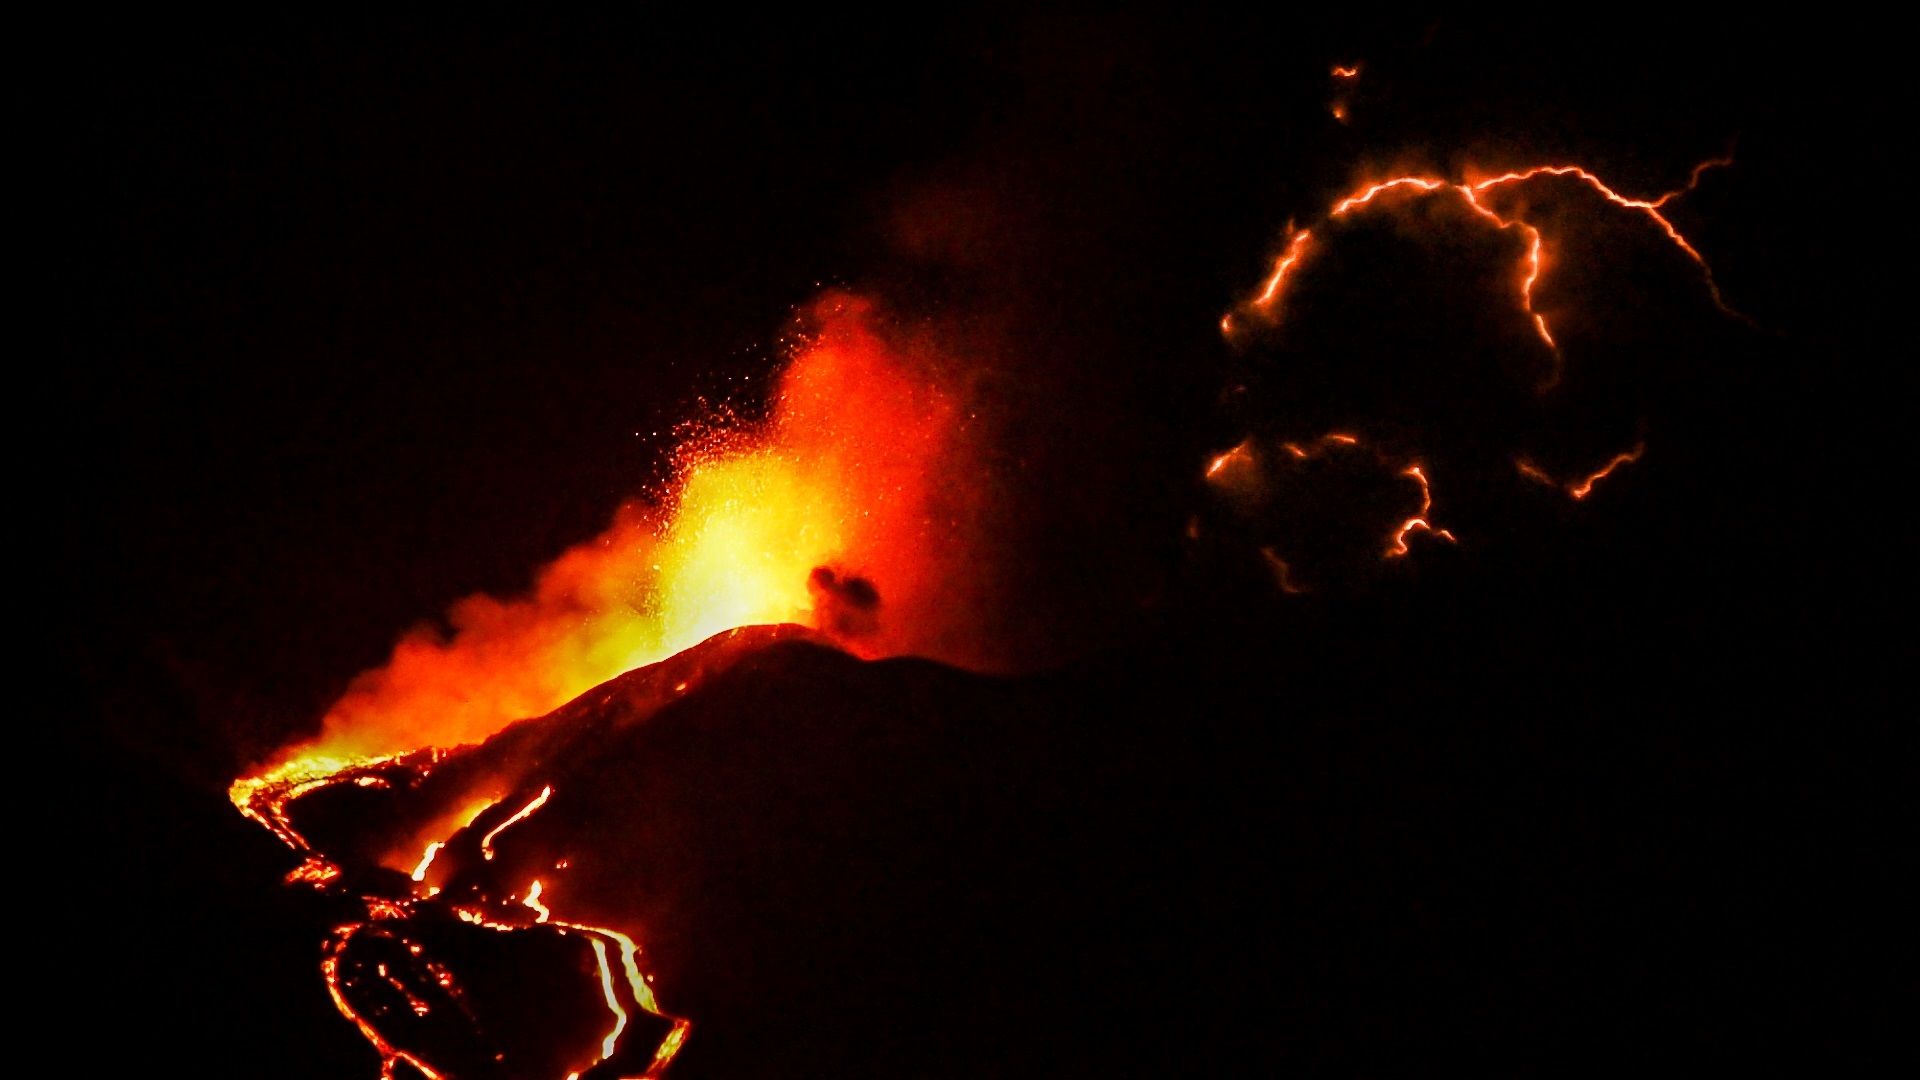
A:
{"x": 1474, "y": 195}
{"x": 1581, "y": 488}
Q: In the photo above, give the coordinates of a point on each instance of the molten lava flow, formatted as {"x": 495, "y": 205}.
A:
{"x": 850, "y": 471}
{"x": 520, "y": 815}
{"x": 842, "y": 511}
{"x": 1475, "y": 195}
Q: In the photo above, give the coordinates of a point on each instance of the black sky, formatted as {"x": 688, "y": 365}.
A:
{"x": 348, "y": 324}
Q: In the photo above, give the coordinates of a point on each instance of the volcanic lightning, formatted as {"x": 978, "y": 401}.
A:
{"x": 1398, "y": 546}
{"x": 1476, "y": 195}
{"x": 1487, "y": 198}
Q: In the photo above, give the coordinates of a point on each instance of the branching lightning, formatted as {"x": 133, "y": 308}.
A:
{"x": 1475, "y": 196}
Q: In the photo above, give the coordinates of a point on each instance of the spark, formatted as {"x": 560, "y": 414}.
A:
{"x": 1349, "y": 71}
{"x": 540, "y": 800}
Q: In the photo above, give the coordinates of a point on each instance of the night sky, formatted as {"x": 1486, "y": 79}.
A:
{"x": 347, "y": 325}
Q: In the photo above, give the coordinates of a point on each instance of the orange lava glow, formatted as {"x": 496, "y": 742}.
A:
{"x": 1287, "y": 261}
{"x": 1475, "y": 195}
{"x": 630, "y": 985}
{"x": 843, "y": 511}
{"x": 426, "y": 860}
{"x": 850, "y": 472}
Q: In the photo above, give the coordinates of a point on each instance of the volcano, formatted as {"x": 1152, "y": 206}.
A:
{"x": 1173, "y": 547}
{"x": 783, "y": 841}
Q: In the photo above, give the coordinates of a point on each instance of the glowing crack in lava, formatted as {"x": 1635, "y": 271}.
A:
{"x": 840, "y": 512}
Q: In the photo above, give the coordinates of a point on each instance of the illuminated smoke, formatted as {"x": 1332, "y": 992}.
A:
{"x": 848, "y": 509}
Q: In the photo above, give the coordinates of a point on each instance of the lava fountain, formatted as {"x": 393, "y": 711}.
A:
{"x": 848, "y": 511}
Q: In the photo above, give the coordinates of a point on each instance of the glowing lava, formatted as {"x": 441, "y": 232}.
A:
{"x": 852, "y": 471}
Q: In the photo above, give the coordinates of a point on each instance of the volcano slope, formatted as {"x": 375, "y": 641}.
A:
{"x": 1215, "y": 857}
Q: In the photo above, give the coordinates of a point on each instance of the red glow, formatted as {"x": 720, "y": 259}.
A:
{"x": 426, "y": 860}
{"x": 1581, "y": 488}
{"x": 1342, "y": 440}
{"x": 1532, "y": 263}
{"x": 1398, "y": 545}
{"x": 1287, "y": 261}
{"x": 856, "y": 470}
{"x": 851, "y": 479}
{"x": 1282, "y": 573}
{"x": 540, "y": 800}
{"x": 1585, "y": 487}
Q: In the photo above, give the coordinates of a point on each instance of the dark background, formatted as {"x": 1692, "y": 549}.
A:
{"x": 348, "y": 324}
